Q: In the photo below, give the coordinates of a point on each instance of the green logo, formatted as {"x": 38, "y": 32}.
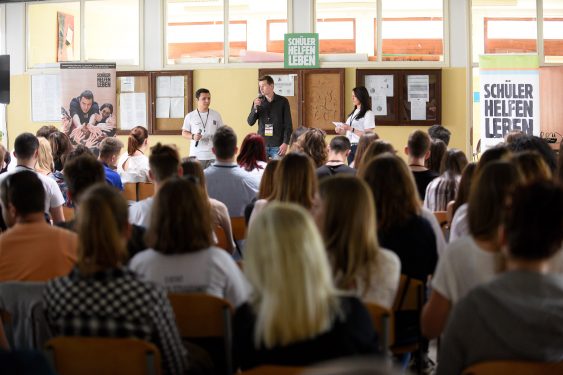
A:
{"x": 301, "y": 50}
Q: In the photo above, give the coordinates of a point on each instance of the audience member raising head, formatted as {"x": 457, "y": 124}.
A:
{"x": 358, "y": 263}
{"x": 31, "y": 250}
{"x": 437, "y": 154}
{"x": 133, "y": 166}
{"x": 181, "y": 257}
{"x": 73, "y": 302}
{"x": 252, "y": 155}
{"x": 443, "y": 189}
{"x": 295, "y": 316}
{"x": 110, "y": 148}
{"x": 365, "y": 140}
{"x": 441, "y": 133}
{"x": 44, "y": 164}
{"x": 61, "y": 147}
{"x": 338, "y": 151}
{"x": 314, "y": 145}
{"x": 418, "y": 151}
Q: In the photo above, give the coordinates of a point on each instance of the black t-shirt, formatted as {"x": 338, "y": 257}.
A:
{"x": 422, "y": 179}
{"x": 277, "y": 113}
{"x": 331, "y": 170}
{"x": 76, "y": 110}
{"x": 352, "y": 335}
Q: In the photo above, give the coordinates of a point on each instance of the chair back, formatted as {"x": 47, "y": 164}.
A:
{"x": 383, "y": 321}
{"x": 274, "y": 370}
{"x": 221, "y": 237}
{"x": 96, "y": 355}
{"x": 144, "y": 190}
{"x": 130, "y": 191}
{"x": 239, "y": 228}
{"x": 68, "y": 212}
{"x": 514, "y": 368}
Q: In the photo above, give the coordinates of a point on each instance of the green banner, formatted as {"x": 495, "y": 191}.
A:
{"x": 301, "y": 51}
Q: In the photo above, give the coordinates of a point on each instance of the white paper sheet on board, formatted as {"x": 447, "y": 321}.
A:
{"x": 418, "y": 109}
{"x": 163, "y": 86}
{"x": 379, "y": 105}
{"x": 379, "y": 85}
{"x": 132, "y": 110}
{"x": 45, "y": 97}
{"x": 162, "y": 107}
{"x": 417, "y": 86}
{"x": 177, "y": 107}
{"x": 127, "y": 84}
{"x": 284, "y": 84}
{"x": 176, "y": 86}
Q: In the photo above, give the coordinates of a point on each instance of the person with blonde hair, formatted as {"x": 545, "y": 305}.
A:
{"x": 133, "y": 166}
{"x": 101, "y": 297}
{"x": 44, "y": 164}
{"x": 358, "y": 263}
{"x": 295, "y": 315}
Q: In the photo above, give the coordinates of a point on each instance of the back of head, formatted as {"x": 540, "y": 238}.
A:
{"x": 23, "y": 190}
{"x": 45, "y": 156}
{"x": 462, "y": 195}
{"x": 351, "y": 240}
{"x": 296, "y": 180}
{"x": 296, "y": 134}
{"x": 437, "y": 153}
{"x": 365, "y": 140}
{"x": 137, "y": 137}
{"x": 454, "y": 162}
{"x": 25, "y": 146}
{"x": 534, "y": 222}
{"x": 418, "y": 143}
{"x": 180, "y": 218}
{"x": 393, "y": 189}
{"x": 78, "y": 151}
{"x": 293, "y": 293}
{"x": 533, "y": 143}
{"x": 314, "y": 145}
{"x": 378, "y": 147}
{"x": 45, "y": 131}
{"x": 252, "y": 150}
{"x": 81, "y": 172}
{"x": 192, "y": 167}
{"x": 225, "y": 143}
{"x": 491, "y": 188}
{"x": 102, "y": 226}
{"x": 499, "y": 152}
{"x": 109, "y": 147}
{"x": 163, "y": 162}
{"x": 531, "y": 166}
{"x": 440, "y": 132}
{"x": 267, "y": 182}
{"x": 340, "y": 144}
{"x": 61, "y": 146}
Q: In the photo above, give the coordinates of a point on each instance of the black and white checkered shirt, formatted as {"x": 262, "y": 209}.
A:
{"x": 114, "y": 303}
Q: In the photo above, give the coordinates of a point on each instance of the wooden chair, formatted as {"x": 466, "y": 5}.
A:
{"x": 274, "y": 370}
{"x": 68, "y": 212}
{"x": 201, "y": 317}
{"x": 442, "y": 217}
{"x": 130, "y": 191}
{"x": 109, "y": 356}
{"x": 383, "y": 321}
{"x": 221, "y": 237}
{"x": 144, "y": 190}
{"x": 238, "y": 225}
{"x": 514, "y": 368}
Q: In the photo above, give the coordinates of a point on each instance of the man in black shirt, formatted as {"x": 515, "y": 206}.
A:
{"x": 274, "y": 118}
{"x": 338, "y": 151}
{"x": 418, "y": 150}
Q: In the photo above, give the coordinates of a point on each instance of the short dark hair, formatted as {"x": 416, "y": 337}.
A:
{"x": 25, "y": 191}
{"x": 86, "y": 94}
{"x": 266, "y": 78}
{"x": 107, "y": 105}
{"x": 164, "y": 161}
{"x": 533, "y": 143}
{"x": 535, "y": 220}
{"x": 340, "y": 144}
{"x": 225, "y": 142}
{"x": 81, "y": 172}
{"x": 418, "y": 143}
{"x": 201, "y": 91}
{"x": 45, "y": 131}
{"x": 25, "y": 145}
{"x": 440, "y": 132}
{"x": 110, "y": 146}
{"x": 78, "y": 150}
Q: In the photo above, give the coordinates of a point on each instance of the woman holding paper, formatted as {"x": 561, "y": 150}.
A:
{"x": 359, "y": 120}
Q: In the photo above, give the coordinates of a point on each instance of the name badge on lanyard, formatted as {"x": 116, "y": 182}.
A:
{"x": 268, "y": 130}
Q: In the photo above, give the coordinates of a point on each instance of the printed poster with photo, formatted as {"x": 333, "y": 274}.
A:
{"x": 88, "y": 96}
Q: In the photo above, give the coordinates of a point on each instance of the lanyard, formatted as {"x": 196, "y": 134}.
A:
{"x": 207, "y": 118}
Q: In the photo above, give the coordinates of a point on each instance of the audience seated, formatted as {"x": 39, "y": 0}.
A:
{"x": 443, "y": 189}
{"x": 61, "y": 146}
{"x": 376, "y": 148}
{"x": 338, "y": 151}
{"x": 526, "y": 142}
{"x": 365, "y": 140}
{"x": 295, "y": 316}
{"x": 531, "y": 167}
{"x": 26, "y": 149}
{"x": 294, "y": 144}
{"x": 164, "y": 162}
{"x": 418, "y": 151}
{"x": 313, "y": 144}
{"x": 133, "y": 166}
{"x": 462, "y": 195}
{"x": 226, "y": 181}
{"x": 518, "y": 315}
{"x": 100, "y": 297}
{"x": 346, "y": 218}
{"x": 44, "y": 164}
{"x": 31, "y": 250}
{"x": 252, "y": 155}
{"x": 59, "y": 176}
{"x": 440, "y": 132}
{"x": 266, "y": 187}
{"x": 437, "y": 153}
{"x": 110, "y": 148}
{"x": 46, "y": 130}
{"x": 181, "y": 257}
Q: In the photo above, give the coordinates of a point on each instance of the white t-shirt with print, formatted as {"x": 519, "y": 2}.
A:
{"x": 208, "y": 122}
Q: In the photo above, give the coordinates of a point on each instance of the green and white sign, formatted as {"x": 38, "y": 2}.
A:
{"x": 301, "y": 50}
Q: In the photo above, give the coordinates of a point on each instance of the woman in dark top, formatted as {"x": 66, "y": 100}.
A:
{"x": 401, "y": 228}
{"x": 295, "y": 316}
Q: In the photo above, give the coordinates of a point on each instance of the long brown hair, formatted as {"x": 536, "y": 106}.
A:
{"x": 296, "y": 180}
{"x": 137, "y": 137}
{"x": 267, "y": 182}
{"x": 313, "y": 144}
{"x": 365, "y": 140}
{"x": 462, "y": 195}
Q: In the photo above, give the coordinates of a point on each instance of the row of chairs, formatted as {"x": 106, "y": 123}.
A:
{"x": 137, "y": 191}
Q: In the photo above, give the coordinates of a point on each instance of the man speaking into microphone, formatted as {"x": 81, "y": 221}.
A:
{"x": 199, "y": 126}
{"x": 274, "y": 118}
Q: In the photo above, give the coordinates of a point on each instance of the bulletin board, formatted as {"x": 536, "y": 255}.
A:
{"x": 318, "y": 96}
{"x": 133, "y": 101}
{"x": 172, "y": 99}
{"x": 404, "y": 97}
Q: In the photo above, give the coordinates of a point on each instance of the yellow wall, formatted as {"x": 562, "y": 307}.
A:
{"x": 232, "y": 91}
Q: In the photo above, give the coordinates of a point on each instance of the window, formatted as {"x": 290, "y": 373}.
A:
{"x": 59, "y": 25}
{"x": 553, "y": 31}
{"x": 195, "y": 31}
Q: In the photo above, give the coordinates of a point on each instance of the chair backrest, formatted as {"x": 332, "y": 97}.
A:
{"x": 144, "y": 190}
{"x": 96, "y": 355}
{"x": 514, "y": 368}
{"x": 442, "y": 217}
{"x": 412, "y": 297}
{"x": 221, "y": 237}
{"x": 130, "y": 191}
{"x": 68, "y": 212}
{"x": 383, "y": 321}
{"x": 407, "y": 309}
{"x": 274, "y": 370}
{"x": 239, "y": 228}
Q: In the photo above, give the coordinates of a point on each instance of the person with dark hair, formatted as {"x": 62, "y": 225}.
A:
{"x": 61, "y": 146}
{"x": 26, "y": 150}
{"x": 440, "y": 132}
{"x": 252, "y": 155}
{"x": 518, "y": 315}
{"x": 365, "y": 141}
{"x": 31, "y": 250}
{"x": 110, "y": 148}
{"x": 533, "y": 143}
{"x": 133, "y": 166}
{"x": 338, "y": 151}
{"x": 200, "y": 125}
{"x": 443, "y": 189}
{"x": 226, "y": 181}
{"x": 376, "y": 148}
{"x": 359, "y": 120}
{"x": 274, "y": 118}
{"x": 418, "y": 150}
{"x": 313, "y": 144}
{"x": 294, "y": 145}
{"x": 6, "y": 160}
{"x": 437, "y": 153}
{"x": 164, "y": 163}
{"x": 83, "y": 109}
{"x": 45, "y": 131}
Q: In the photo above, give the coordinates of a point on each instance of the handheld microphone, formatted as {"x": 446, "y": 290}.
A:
{"x": 197, "y": 142}
{"x": 261, "y": 97}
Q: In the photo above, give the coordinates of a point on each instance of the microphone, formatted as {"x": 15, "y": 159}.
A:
{"x": 197, "y": 142}
{"x": 261, "y": 97}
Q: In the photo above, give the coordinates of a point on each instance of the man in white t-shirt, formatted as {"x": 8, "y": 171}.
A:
{"x": 200, "y": 125}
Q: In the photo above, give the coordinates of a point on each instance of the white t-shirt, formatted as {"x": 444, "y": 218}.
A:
{"x": 210, "y": 271}
{"x": 436, "y": 228}
{"x": 384, "y": 280}
{"x": 140, "y": 212}
{"x": 463, "y": 266}
{"x": 207, "y": 122}
{"x": 137, "y": 168}
{"x": 362, "y": 124}
{"x": 460, "y": 223}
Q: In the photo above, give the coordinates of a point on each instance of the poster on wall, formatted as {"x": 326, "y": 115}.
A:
{"x": 65, "y": 37}
{"x": 88, "y": 97}
{"x": 509, "y": 97}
